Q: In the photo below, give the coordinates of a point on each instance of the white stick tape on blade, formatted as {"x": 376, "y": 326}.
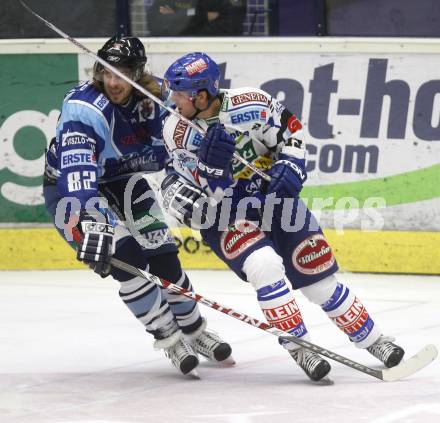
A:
{"x": 138, "y": 87}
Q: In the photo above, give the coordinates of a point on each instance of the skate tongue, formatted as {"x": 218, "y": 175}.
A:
{"x": 167, "y": 342}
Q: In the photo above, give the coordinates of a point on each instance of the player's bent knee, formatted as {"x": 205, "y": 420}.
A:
{"x": 166, "y": 266}
{"x": 129, "y": 251}
{"x": 263, "y": 267}
{"x": 320, "y": 292}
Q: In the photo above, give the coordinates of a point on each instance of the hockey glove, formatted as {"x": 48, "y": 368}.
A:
{"x": 288, "y": 176}
{"x": 96, "y": 246}
{"x": 183, "y": 201}
{"x": 215, "y": 153}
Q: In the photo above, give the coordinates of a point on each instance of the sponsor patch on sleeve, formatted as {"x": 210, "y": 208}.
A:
{"x": 179, "y": 133}
{"x": 101, "y": 101}
{"x": 78, "y": 157}
{"x": 75, "y": 138}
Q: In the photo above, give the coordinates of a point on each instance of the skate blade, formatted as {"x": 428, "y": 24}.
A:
{"x": 227, "y": 362}
{"x": 193, "y": 374}
{"x": 325, "y": 381}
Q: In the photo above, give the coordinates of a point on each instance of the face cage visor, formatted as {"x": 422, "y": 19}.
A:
{"x": 167, "y": 92}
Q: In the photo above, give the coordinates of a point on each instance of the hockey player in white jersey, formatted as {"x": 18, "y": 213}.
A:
{"x": 260, "y": 229}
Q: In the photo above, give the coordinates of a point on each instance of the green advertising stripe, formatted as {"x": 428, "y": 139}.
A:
{"x": 409, "y": 187}
{"x": 31, "y": 82}
{"x": 12, "y": 212}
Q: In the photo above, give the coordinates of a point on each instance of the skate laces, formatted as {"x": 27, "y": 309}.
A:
{"x": 206, "y": 343}
{"x": 382, "y": 348}
{"x": 179, "y": 351}
{"x": 306, "y": 359}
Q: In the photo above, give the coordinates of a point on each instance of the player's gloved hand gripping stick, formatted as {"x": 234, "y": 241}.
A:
{"x": 215, "y": 153}
{"x": 185, "y": 202}
{"x": 96, "y": 245}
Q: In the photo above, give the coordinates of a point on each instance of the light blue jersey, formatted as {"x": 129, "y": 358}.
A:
{"x": 98, "y": 141}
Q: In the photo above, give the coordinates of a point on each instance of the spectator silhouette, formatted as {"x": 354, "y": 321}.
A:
{"x": 197, "y": 17}
{"x": 170, "y": 17}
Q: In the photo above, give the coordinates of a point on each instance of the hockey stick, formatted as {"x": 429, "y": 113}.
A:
{"x": 138, "y": 87}
{"x": 406, "y": 368}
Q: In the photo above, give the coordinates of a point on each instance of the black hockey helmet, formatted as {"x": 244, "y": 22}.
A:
{"x": 126, "y": 52}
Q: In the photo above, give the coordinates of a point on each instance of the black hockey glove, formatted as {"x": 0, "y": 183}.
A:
{"x": 96, "y": 246}
{"x": 183, "y": 201}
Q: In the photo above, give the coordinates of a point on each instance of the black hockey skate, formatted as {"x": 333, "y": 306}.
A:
{"x": 315, "y": 367}
{"x": 182, "y": 356}
{"x": 180, "y": 352}
{"x": 210, "y": 345}
{"x": 388, "y": 353}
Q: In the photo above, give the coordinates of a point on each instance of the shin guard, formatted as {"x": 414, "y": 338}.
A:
{"x": 280, "y": 309}
{"x": 351, "y": 316}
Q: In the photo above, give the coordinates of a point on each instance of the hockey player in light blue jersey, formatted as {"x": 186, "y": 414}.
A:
{"x": 108, "y": 137}
{"x": 260, "y": 229}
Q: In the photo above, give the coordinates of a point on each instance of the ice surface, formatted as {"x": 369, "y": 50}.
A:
{"x": 71, "y": 352}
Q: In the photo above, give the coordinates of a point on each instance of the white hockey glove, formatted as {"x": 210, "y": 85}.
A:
{"x": 96, "y": 246}
{"x": 185, "y": 202}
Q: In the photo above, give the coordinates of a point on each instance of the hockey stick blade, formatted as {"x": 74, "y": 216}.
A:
{"x": 139, "y": 87}
{"x": 420, "y": 360}
{"x": 413, "y": 365}
{"x": 406, "y": 368}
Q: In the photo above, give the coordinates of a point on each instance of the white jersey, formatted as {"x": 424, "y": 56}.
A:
{"x": 262, "y": 128}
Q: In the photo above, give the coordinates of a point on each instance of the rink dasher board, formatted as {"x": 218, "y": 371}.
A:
{"x": 353, "y": 142}
{"x": 356, "y": 251}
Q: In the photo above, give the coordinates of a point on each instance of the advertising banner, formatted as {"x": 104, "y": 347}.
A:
{"x": 372, "y": 123}
{"x": 32, "y": 87}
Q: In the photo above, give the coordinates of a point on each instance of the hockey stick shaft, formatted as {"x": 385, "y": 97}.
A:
{"x": 138, "y": 87}
{"x": 407, "y": 368}
{"x": 245, "y": 318}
